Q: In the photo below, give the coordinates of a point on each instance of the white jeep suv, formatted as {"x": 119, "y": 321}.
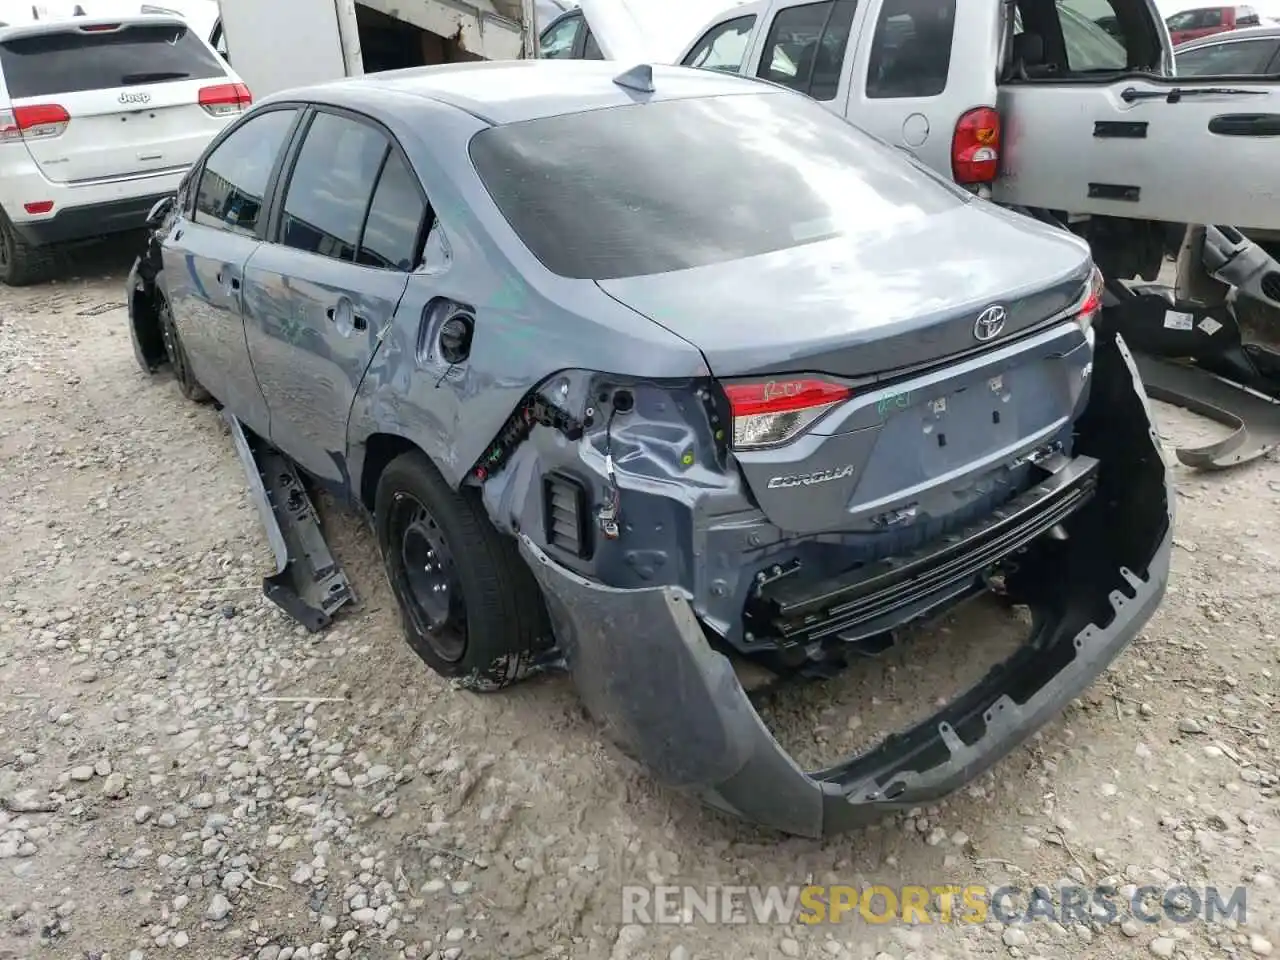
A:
{"x": 99, "y": 119}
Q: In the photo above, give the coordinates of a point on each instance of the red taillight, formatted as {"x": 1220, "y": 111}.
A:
{"x": 773, "y": 412}
{"x": 975, "y": 147}
{"x": 1090, "y": 304}
{"x": 33, "y": 123}
{"x": 100, "y": 28}
{"x": 225, "y": 99}
{"x": 38, "y": 206}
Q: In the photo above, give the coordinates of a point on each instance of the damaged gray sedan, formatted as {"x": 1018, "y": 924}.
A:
{"x": 661, "y": 371}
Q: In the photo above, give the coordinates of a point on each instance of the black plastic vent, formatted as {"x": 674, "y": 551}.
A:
{"x": 565, "y": 509}
{"x": 1271, "y": 286}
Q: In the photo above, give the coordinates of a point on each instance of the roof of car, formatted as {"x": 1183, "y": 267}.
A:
{"x": 1244, "y": 33}
{"x": 511, "y": 91}
{"x": 37, "y": 28}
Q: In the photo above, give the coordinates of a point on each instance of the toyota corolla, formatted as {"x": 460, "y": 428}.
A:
{"x": 664, "y": 371}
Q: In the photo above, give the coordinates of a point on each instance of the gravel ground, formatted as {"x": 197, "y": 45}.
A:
{"x": 187, "y": 774}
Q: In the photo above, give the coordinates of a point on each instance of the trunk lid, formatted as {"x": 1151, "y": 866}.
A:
{"x": 935, "y": 424}
{"x": 870, "y": 304}
{"x": 114, "y": 100}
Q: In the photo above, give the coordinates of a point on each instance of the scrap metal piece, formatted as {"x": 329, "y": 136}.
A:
{"x": 1253, "y": 418}
{"x": 309, "y": 583}
{"x": 1156, "y": 321}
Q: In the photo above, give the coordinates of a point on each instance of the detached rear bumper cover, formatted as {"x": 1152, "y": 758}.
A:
{"x": 644, "y": 668}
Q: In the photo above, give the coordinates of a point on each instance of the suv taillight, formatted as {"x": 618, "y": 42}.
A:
{"x": 225, "y": 99}
{"x": 774, "y": 412}
{"x": 975, "y": 147}
{"x": 37, "y": 122}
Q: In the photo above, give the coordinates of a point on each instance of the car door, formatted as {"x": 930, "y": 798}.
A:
{"x": 917, "y": 79}
{"x": 1092, "y": 135}
{"x": 207, "y": 247}
{"x": 320, "y": 294}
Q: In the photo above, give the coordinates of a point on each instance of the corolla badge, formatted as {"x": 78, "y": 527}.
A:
{"x": 809, "y": 479}
{"x": 989, "y": 323}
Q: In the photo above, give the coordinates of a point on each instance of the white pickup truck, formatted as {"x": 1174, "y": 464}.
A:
{"x": 1032, "y": 103}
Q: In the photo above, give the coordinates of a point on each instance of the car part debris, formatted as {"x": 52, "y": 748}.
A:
{"x": 1155, "y": 322}
{"x": 309, "y": 584}
{"x": 1253, "y": 419}
{"x": 1192, "y": 353}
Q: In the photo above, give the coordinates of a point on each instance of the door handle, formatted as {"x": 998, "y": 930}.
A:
{"x": 226, "y": 280}
{"x": 1246, "y": 125}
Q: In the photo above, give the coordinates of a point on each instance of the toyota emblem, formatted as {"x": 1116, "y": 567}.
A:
{"x": 989, "y": 323}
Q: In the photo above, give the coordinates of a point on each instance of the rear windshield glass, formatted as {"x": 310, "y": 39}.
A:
{"x": 650, "y": 188}
{"x": 70, "y": 62}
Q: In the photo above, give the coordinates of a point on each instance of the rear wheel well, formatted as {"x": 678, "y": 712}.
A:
{"x": 379, "y": 450}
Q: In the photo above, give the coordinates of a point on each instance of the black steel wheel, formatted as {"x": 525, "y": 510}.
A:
{"x": 471, "y": 608}
{"x": 174, "y": 351}
{"x": 430, "y": 578}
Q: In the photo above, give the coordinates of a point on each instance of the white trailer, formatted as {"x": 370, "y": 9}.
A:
{"x": 290, "y": 43}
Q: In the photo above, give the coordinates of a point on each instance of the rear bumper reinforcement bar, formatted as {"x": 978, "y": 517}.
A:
{"x": 873, "y": 598}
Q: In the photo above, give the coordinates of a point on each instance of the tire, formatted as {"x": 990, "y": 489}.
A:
{"x": 488, "y": 624}
{"x": 173, "y": 348}
{"x": 21, "y": 263}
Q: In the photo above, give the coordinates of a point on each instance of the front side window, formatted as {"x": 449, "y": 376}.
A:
{"x": 911, "y": 50}
{"x": 810, "y": 40}
{"x": 590, "y": 48}
{"x": 559, "y": 40}
{"x": 1237, "y": 58}
{"x": 233, "y": 182}
{"x": 724, "y": 47}
{"x": 332, "y": 182}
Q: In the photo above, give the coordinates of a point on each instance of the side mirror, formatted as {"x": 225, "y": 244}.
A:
{"x": 159, "y": 211}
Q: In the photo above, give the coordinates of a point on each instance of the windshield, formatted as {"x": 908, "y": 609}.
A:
{"x": 671, "y": 185}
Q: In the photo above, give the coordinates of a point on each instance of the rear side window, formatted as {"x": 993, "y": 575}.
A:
{"x": 757, "y": 173}
{"x": 234, "y": 179}
{"x": 723, "y": 47}
{"x": 333, "y": 179}
{"x": 805, "y": 47}
{"x": 390, "y": 236}
{"x": 1237, "y": 58}
{"x": 911, "y": 49}
{"x": 72, "y": 61}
